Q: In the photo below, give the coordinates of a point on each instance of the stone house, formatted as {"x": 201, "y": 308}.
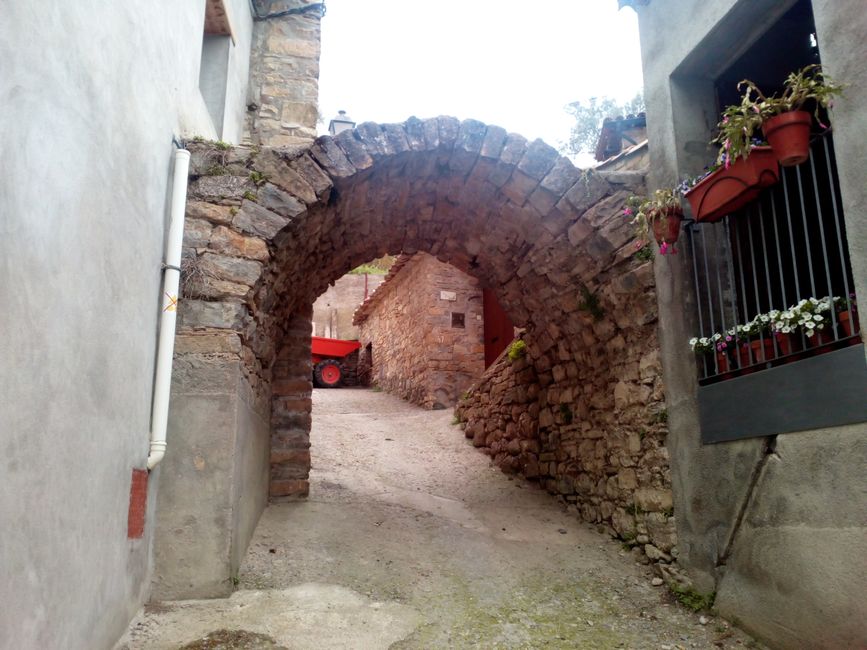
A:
{"x": 422, "y": 332}
{"x": 767, "y": 463}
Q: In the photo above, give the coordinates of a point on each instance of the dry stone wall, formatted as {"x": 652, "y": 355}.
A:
{"x": 585, "y": 417}
{"x": 419, "y": 353}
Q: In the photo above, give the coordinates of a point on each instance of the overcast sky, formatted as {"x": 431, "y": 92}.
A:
{"x": 515, "y": 64}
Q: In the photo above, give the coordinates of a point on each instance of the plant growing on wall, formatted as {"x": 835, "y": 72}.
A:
{"x": 660, "y": 214}
{"x": 517, "y": 349}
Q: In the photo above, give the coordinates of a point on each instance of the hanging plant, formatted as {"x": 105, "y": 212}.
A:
{"x": 660, "y": 214}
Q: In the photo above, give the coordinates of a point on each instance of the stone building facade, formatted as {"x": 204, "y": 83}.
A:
{"x": 422, "y": 332}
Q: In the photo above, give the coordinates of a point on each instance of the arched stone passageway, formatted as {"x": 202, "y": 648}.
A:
{"x": 269, "y": 229}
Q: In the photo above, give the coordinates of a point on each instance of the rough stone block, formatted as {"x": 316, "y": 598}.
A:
{"x": 255, "y": 219}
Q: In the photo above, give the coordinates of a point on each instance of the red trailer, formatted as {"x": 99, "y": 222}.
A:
{"x": 327, "y": 356}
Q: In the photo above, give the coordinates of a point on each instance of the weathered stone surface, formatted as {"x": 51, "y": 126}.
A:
{"x": 213, "y": 213}
{"x": 538, "y": 160}
{"x": 255, "y": 219}
{"x": 217, "y": 189}
{"x": 197, "y": 232}
{"x": 273, "y": 198}
{"x": 207, "y": 343}
{"x": 225, "y": 240}
{"x": 221, "y": 315}
{"x": 233, "y": 269}
{"x": 331, "y": 157}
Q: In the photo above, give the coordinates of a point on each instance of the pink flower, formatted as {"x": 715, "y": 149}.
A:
{"x": 663, "y": 248}
{"x": 627, "y": 211}
{"x": 824, "y": 126}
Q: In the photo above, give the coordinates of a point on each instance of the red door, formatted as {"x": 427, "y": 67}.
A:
{"x": 499, "y": 330}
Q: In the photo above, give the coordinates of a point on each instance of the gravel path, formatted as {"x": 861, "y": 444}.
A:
{"x": 410, "y": 539}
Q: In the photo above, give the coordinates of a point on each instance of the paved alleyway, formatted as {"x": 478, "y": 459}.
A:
{"x": 411, "y": 540}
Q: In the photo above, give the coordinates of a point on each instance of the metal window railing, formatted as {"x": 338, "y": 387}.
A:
{"x": 786, "y": 247}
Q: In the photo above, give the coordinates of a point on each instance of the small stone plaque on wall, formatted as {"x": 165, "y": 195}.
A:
{"x": 448, "y": 295}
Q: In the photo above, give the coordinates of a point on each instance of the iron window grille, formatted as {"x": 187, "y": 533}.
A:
{"x": 787, "y": 246}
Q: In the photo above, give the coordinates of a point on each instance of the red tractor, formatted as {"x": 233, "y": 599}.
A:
{"x": 327, "y": 355}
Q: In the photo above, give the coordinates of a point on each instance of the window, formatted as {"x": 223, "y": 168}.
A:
{"x": 458, "y": 319}
{"x": 217, "y": 41}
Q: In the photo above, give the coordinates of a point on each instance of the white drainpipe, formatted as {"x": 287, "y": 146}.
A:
{"x": 171, "y": 280}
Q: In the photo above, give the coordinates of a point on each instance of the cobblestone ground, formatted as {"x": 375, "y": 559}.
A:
{"x": 410, "y": 539}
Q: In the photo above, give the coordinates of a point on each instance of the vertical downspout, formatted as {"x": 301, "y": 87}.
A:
{"x": 168, "y": 314}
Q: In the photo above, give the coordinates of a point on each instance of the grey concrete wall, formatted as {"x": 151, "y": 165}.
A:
{"x": 92, "y": 93}
{"x": 770, "y": 530}
{"x": 213, "y": 484}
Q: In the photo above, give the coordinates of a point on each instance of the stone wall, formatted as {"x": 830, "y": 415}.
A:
{"x": 589, "y": 424}
{"x": 550, "y": 239}
{"x": 419, "y": 352}
{"x": 334, "y": 309}
{"x": 284, "y": 73}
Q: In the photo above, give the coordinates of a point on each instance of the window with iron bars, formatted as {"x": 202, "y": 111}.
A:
{"x": 781, "y": 265}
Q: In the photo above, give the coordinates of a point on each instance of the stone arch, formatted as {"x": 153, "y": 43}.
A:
{"x": 269, "y": 229}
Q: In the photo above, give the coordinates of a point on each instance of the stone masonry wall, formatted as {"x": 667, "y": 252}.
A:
{"x": 284, "y": 74}
{"x": 417, "y": 352}
{"x": 589, "y": 426}
{"x": 550, "y": 239}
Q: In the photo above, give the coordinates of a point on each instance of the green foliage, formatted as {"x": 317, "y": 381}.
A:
{"x": 251, "y": 196}
{"x": 689, "y": 597}
{"x": 566, "y": 414}
{"x": 456, "y": 420}
{"x": 644, "y": 254}
{"x": 375, "y": 389}
{"x": 589, "y": 116}
{"x": 216, "y": 170}
{"x": 222, "y": 146}
{"x": 368, "y": 269}
{"x": 634, "y": 509}
{"x": 660, "y": 417}
{"x": 645, "y": 210}
{"x": 258, "y": 178}
{"x": 742, "y": 121}
{"x": 590, "y": 304}
{"x": 517, "y": 349}
{"x": 233, "y": 211}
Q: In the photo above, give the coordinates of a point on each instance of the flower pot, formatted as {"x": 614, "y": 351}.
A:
{"x": 756, "y": 352}
{"x": 722, "y": 362}
{"x": 789, "y": 136}
{"x": 727, "y": 190}
{"x": 667, "y": 227}
{"x": 848, "y": 322}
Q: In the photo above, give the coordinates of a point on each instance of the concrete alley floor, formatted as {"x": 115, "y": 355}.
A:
{"x": 410, "y": 539}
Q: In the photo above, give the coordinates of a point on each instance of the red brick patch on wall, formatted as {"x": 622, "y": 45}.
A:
{"x": 138, "y": 499}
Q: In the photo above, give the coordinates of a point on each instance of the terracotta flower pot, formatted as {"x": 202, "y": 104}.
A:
{"x": 727, "y": 190}
{"x": 789, "y": 136}
{"x": 848, "y": 322}
{"x": 667, "y": 227}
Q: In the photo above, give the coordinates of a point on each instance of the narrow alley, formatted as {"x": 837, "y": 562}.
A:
{"x": 411, "y": 539}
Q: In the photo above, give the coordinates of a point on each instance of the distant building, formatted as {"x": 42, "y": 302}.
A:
{"x": 427, "y": 330}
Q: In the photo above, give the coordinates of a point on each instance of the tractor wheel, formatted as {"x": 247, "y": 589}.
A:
{"x": 328, "y": 374}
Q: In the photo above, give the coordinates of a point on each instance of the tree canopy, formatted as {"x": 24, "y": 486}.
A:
{"x": 588, "y": 120}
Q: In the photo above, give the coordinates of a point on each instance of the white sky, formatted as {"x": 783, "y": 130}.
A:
{"x": 506, "y": 62}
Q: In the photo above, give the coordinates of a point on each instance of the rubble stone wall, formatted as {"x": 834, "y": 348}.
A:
{"x": 418, "y": 353}
{"x": 585, "y": 417}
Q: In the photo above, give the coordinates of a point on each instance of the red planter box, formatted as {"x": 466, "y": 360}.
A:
{"x": 727, "y": 190}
